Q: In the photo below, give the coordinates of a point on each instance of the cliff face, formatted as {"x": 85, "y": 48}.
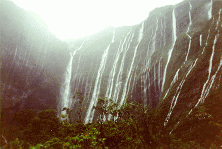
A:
{"x": 32, "y": 61}
{"x": 170, "y": 60}
{"x": 174, "y": 56}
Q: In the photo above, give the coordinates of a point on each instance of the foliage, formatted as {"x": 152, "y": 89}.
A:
{"x": 199, "y": 127}
{"x": 130, "y": 125}
{"x": 42, "y": 127}
{"x": 24, "y": 117}
{"x": 84, "y": 140}
{"x": 70, "y": 113}
{"x": 17, "y": 144}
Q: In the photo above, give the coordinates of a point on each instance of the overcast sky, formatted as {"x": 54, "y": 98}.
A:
{"x": 70, "y": 19}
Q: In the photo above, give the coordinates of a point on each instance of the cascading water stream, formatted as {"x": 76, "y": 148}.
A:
{"x": 154, "y": 37}
{"x": 66, "y": 86}
{"x": 112, "y": 73}
{"x": 130, "y": 70}
{"x": 119, "y": 75}
{"x": 200, "y": 40}
{"x": 65, "y": 92}
{"x": 188, "y": 31}
{"x": 177, "y": 73}
{"x": 207, "y": 85}
{"x": 171, "y": 50}
{"x": 210, "y": 10}
{"x": 179, "y": 88}
{"x": 96, "y": 91}
{"x": 159, "y": 74}
{"x": 171, "y": 84}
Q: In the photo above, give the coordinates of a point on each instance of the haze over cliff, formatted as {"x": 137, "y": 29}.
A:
{"x": 171, "y": 60}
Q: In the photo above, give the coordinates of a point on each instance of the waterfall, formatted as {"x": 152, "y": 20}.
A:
{"x": 130, "y": 70}
{"x": 119, "y": 75}
{"x": 200, "y": 39}
{"x": 66, "y": 86}
{"x": 218, "y": 20}
{"x": 188, "y": 31}
{"x": 96, "y": 91}
{"x": 65, "y": 91}
{"x": 154, "y": 37}
{"x": 210, "y": 80}
{"x": 207, "y": 85}
{"x": 174, "y": 80}
{"x": 179, "y": 88}
{"x": 171, "y": 50}
{"x": 210, "y": 10}
{"x": 113, "y": 72}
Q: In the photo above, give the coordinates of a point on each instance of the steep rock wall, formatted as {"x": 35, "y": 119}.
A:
{"x": 171, "y": 60}
{"x": 173, "y": 57}
{"x": 32, "y": 61}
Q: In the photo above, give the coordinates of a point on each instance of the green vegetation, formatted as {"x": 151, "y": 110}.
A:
{"x": 131, "y": 125}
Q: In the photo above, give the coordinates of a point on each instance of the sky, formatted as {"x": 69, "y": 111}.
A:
{"x": 71, "y": 19}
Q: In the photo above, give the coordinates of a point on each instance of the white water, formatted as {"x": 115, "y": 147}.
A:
{"x": 146, "y": 69}
{"x": 96, "y": 91}
{"x": 206, "y": 41}
{"x": 159, "y": 74}
{"x": 189, "y": 18}
{"x": 162, "y": 30}
{"x": 209, "y": 86}
{"x": 141, "y": 32}
{"x": 174, "y": 80}
{"x": 148, "y": 56}
{"x": 210, "y": 10}
{"x": 200, "y": 39}
{"x": 218, "y": 20}
{"x": 188, "y": 31}
{"x": 154, "y": 77}
{"x": 6, "y": 142}
{"x": 130, "y": 70}
{"x": 171, "y": 50}
{"x": 154, "y": 37}
{"x": 75, "y": 76}
{"x": 206, "y": 86}
{"x": 179, "y": 88}
{"x": 66, "y": 86}
{"x": 210, "y": 79}
{"x": 209, "y": 82}
{"x": 119, "y": 75}
{"x": 65, "y": 92}
{"x": 112, "y": 73}
{"x": 164, "y": 39}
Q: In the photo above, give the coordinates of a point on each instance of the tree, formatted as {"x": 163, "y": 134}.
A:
{"x": 42, "y": 127}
